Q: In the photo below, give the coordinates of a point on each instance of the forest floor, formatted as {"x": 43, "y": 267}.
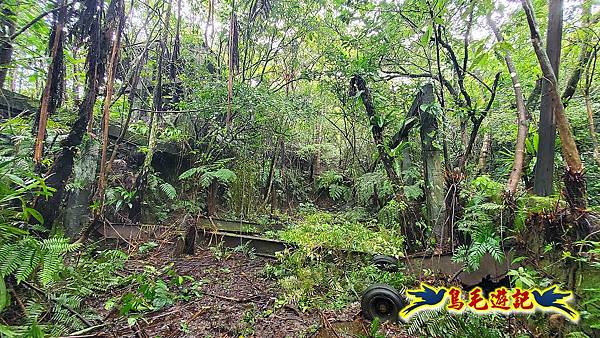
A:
{"x": 229, "y": 295}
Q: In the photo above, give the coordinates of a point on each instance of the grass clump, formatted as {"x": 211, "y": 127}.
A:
{"x": 322, "y": 230}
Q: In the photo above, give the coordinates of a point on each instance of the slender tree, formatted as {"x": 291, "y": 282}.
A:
{"x": 523, "y": 117}
{"x": 51, "y": 90}
{"x": 574, "y": 176}
{"x": 115, "y": 30}
{"x": 589, "y": 76}
{"x": 544, "y": 169}
{"x": 7, "y": 29}
{"x": 90, "y": 26}
{"x": 233, "y": 62}
{"x": 157, "y": 105}
{"x": 358, "y": 86}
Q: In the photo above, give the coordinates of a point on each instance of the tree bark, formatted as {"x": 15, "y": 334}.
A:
{"x": 544, "y": 169}
{"x": 271, "y": 174}
{"x": 7, "y": 25}
{"x": 592, "y": 128}
{"x": 432, "y": 164}
{"x": 358, "y": 85}
{"x": 233, "y": 63}
{"x": 486, "y": 148}
{"x": 110, "y": 81}
{"x": 523, "y": 117}
{"x": 63, "y": 165}
{"x": 51, "y": 89}
{"x": 590, "y": 70}
{"x": 135, "y": 212}
{"x": 574, "y": 178}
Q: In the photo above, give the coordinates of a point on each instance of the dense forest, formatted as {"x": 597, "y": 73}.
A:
{"x": 280, "y": 168}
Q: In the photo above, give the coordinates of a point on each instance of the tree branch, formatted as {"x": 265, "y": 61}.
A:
{"x": 36, "y": 19}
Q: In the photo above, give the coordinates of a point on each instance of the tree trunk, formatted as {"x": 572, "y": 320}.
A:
{"x": 233, "y": 63}
{"x": 523, "y": 118}
{"x": 486, "y": 148}
{"x": 189, "y": 245}
{"x": 574, "y": 179}
{"x": 51, "y": 93}
{"x": 7, "y": 25}
{"x": 592, "y": 128}
{"x": 269, "y": 186}
{"x": 316, "y": 167}
{"x": 282, "y": 169}
{"x": 359, "y": 86}
{"x": 135, "y": 213}
{"x": 211, "y": 198}
{"x": 432, "y": 165}
{"x": 590, "y": 70}
{"x": 112, "y": 67}
{"x": 63, "y": 165}
{"x": 175, "y": 65}
{"x": 544, "y": 170}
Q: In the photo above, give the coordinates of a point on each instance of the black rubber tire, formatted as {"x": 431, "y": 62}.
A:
{"x": 385, "y": 263}
{"x": 381, "y": 301}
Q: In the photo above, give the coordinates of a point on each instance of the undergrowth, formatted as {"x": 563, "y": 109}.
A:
{"x": 332, "y": 265}
{"x": 326, "y": 231}
{"x": 327, "y": 281}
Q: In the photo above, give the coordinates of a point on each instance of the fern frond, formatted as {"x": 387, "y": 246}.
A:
{"x": 59, "y": 245}
{"x": 31, "y": 260}
{"x": 224, "y": 175}
{"x": 10, "y": 256}
{"x": 168, "y": 190}
{"x": 51, "y": 266}
{"x": 189, "y": 173}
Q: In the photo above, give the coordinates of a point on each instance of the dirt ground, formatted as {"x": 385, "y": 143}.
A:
{"x": 235, "y": 299}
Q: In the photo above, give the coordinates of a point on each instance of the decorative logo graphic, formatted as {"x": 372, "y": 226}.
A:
{"x": 501, "y": 300}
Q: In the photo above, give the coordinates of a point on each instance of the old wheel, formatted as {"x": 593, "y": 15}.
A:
{"x": 381, "y": 301}
{"x": 385, "y": 263}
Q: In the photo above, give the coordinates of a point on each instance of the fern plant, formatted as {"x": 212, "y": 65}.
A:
{"x": 32, "y": 258}
{"x": 160, "y": 186}
{"x": 22, "y": 255}
{"x": 35, "y": 268}
{"x": 481, "y": 228}
{"x": 209, "y": 174}
{"x": 333, "y": 183}
{"x": 481, "y": 224}
{"x": 373, "y": 185}
{"x": 434, "y": 323}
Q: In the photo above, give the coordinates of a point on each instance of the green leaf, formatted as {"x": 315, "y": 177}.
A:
{"x": 518, "y": 259}
{"x": 35, "y": 331}
{"x": 6, "y": 331}
{"x": 32, "y": 212}
{"x": 426, "y": 36}
{"x": 131, "y": 321}
{"x": 189, "y": 173}
{"x": 4, "y": 299}
{"x": 169, "y": 190}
